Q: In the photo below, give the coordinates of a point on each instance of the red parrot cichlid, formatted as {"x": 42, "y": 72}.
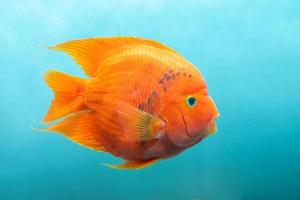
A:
{"x": 142, "y": 101}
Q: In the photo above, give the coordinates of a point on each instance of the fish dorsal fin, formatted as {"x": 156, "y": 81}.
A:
{"x": 140, "y": 125}
{"x": 89, "y": 53}
{"x": 133, "y": 164}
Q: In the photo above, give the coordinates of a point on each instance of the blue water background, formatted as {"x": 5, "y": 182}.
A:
{"x": 249, "y": 53}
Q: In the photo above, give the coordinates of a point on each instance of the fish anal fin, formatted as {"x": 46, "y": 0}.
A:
{"x": 139, "y": 125}
{"x": 80, "y": 128}
{"x": 89, "y": 53}
{"x": 133, "y": 164}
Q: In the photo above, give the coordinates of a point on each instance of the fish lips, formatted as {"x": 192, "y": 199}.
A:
{"x": 204, "y": 130}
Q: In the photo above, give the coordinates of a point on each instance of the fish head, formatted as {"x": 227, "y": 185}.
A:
{"x": 190, "y": 112}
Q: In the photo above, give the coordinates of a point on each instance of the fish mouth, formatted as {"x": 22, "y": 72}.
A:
{"x": 209, "y": 129}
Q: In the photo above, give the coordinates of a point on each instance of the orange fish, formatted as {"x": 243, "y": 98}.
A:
{"x": 142, "y": 101}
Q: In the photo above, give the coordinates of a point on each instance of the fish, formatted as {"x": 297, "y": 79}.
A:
{"x": 141, "y": 100}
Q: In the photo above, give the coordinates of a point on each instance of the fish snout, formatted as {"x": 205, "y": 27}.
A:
{"x": 208, "y": 126}
{"x": 214, "y": 109}
{"x": 212, "y": 126}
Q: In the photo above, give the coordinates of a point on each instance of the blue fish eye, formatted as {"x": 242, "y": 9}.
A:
{"x": 191, "y": 101}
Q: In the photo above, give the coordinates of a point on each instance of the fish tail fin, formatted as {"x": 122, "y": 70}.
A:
{"x": 68, "y": 94}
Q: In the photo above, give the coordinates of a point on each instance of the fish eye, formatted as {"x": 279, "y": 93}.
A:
{"x": 191, "y": 101}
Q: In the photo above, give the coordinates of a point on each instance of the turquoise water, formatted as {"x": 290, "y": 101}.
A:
{"x": 249, "y": 53}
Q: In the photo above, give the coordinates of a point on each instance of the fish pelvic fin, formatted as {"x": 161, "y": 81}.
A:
{"x": 90, "y": 52}
{"x": 81, "y": 129}
{"x": 68, "y": 94}
{"x": 133, "y": 164}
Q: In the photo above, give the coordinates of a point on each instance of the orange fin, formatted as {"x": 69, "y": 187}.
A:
{"x": 133, "y": 164}
{"x": 140, "y": 125}
{"x": 68, "y": 91}
{"x": 89, "y": 53}
{"x": 81, "y": 129}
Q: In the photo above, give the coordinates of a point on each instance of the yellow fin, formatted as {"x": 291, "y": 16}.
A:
{"x": 140, "y": 125}
{"x": 133, "y": 164}
{"x": 89, "y": 53}
{"x": 68, "y": 91}
{"x": 79, "y": 128}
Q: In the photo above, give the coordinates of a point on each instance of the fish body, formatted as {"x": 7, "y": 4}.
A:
{"x": 142, "y": 100}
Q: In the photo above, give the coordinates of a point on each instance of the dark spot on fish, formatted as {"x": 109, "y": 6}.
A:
{"x": 171, "y": 71}
{"x": 161, "y": 81}
{"x": 184, "y": 74}
{"x": 141, "y": 106}
{"x": 154, "y": 93}
{"x": 165, "y": 75}
{"x": 151, "y": 98}
{"x": 190, "y": 75}
{"x": 168, "y": 78}
{"x": 149, "y": 101}
{"x": 165, "y": 89}
{"x": 178, "y": 73}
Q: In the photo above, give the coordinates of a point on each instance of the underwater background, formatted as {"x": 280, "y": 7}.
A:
{"x": 249, "y": 54}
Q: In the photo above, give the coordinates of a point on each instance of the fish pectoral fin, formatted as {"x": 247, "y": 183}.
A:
{"x": 133, "y": 164}
{"x": 140, "y": 125}
{"x": 89, "y": 53}
{"x": 81, "y": 129}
